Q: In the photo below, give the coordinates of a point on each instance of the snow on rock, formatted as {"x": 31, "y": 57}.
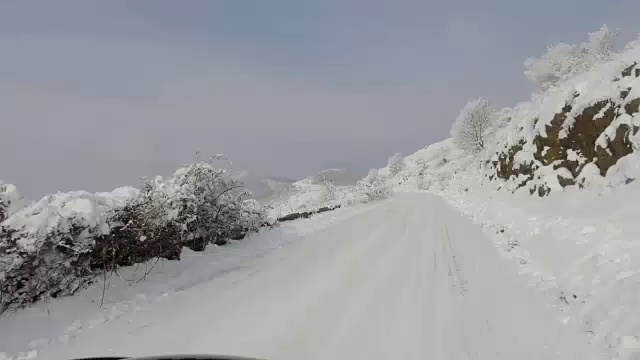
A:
{"x": 592, "y": 118}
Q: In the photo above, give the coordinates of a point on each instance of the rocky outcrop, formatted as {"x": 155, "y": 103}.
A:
{"x": 598, "y": 134}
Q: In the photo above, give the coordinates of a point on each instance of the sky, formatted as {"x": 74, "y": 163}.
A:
{"x": 99, "y": 94}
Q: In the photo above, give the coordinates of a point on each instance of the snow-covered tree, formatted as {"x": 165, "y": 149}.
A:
{"x": 470, "y": 128}
{"x": 329, "y": 189}
{"x": 602, "y": 43}
{"x": 10, "y": 200}
{"x": 559, "y": 63}
{"x": 371, "y": 176}
{"x": 563, "y": 61}
{"x": 396, "y": 164}
{"x": 423, "y": 165}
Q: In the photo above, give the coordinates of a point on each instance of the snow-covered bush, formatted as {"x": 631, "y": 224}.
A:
{"x": 46, "y": 248}
{"x": 563, "y": 61}
{"x": 424, "y": 181}
{"x": 328, "y": 189}
{"x": 371, "y": 176}
{"x": 396, "y": 164}
{"x": 375, "y": 187}
{"x": 375, "y": 191}
{"x": 472, "y": 125}
{"x": 60, "y": 243}
{"x": 207, "y": 203}
{"x": 10, "y": 200}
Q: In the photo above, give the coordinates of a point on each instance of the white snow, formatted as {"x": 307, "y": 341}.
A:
{"x": 407, "y": 278}
{"x": 579, "y": 248}
{"x": 62, "y": 211}
{"x": 306, "y": 195}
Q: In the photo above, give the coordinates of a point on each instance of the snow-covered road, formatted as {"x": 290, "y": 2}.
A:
{"x": 408, "y": 279}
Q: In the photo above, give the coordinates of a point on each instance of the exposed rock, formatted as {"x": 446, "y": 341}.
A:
{"x": 572, "y": 140}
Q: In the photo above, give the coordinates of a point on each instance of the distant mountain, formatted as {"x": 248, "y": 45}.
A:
{"x": 267, "y": 187}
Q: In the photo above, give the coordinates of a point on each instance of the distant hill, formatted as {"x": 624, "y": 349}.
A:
{"x": 340, "y": 177}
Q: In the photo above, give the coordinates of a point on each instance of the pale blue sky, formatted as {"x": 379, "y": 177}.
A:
{"x": 96, "y": 94}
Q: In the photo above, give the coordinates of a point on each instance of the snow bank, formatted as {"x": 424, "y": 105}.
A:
{"x": 578, "y": 247}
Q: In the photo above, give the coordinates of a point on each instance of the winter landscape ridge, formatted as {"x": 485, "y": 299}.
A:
{"x": 514, "y": 238}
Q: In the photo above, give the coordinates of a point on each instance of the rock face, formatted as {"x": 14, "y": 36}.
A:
{"x": 599, "y": 133}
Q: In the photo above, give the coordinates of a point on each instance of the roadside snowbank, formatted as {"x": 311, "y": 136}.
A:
{"x": 579, "y": 247}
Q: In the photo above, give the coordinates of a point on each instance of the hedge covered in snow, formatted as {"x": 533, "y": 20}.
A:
{"x": 61, "y": 243}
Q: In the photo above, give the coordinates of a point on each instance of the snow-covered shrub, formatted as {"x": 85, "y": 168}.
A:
{"x": 45, "y": 249}
{"x": 563, "y": 61}
{"x": 372, "y": 175}
{"x": 10, "y": 200}
{"x": 206, "y": 201}
{"x": 396, "y": 164}
{"x": 137, "y": 233}
{"x": 472, "y": 125}
{"x": 328, "y": 190}
{"x": 59, "y": 244}
{"x": 374, "y": 187}
{"x": 374, "y": 192}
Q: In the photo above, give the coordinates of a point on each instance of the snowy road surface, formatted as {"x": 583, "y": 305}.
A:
{"x": 408, "y": 279}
